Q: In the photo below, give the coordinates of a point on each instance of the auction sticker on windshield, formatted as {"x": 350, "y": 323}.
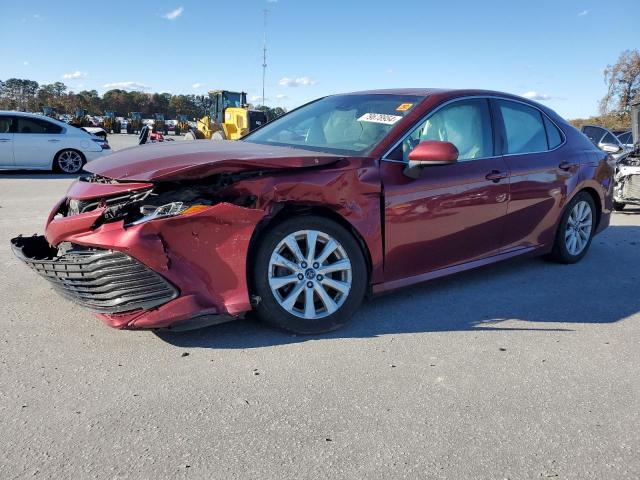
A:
{"x": 380, "y": 118}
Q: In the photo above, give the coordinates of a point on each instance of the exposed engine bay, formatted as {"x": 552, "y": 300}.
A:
{"x": 627, "y": 181}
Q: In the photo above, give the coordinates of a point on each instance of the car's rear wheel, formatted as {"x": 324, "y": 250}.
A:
{"x": 575, "y": 231}
{"x": 310, "y": 274}
{"x": 69, "y": 161}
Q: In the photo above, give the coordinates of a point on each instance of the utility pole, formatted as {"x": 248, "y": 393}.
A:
{"x": 264, "y": 53}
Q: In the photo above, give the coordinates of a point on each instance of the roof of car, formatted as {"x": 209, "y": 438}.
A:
{"x": 15, "y": 112}
{"x": 425, "y": 92}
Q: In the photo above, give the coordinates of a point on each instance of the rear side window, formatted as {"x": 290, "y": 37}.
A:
{"x": 554, "y": 137}
{"x": 35, "y": 125}
{"x": 5, "y": 124}
{"x": 524, "y": 128}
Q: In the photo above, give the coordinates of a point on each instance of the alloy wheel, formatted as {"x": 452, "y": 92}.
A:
{"x": 578, "y": 230}
{"x": 310, "y": 274}
{"x": 70, "y": 161}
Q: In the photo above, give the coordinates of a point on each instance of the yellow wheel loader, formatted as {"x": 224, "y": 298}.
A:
{"x": 134, "y": 123}
{"x": 183, "y": 125}
{"x": 111, "y": 123}
{"x": 229, "y": 117}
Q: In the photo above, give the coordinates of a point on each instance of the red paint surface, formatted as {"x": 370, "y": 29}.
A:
{"x": 452, "y": 218}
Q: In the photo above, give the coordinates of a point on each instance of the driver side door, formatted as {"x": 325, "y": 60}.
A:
{"x": 454, "y": 213}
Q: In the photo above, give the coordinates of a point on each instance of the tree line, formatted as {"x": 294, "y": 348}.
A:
{"x": 28, "y": 95}
{"x": 622, "y": 80}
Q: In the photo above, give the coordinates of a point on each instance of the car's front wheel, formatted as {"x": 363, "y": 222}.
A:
{"x": 68, "y": 161}
{"x": 575, "y": 231}
{"x": 310, "y": 274}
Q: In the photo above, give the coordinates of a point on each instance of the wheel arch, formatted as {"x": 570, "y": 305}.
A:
{"x": 286, "y": 211}
{"x": 55, "y": 156}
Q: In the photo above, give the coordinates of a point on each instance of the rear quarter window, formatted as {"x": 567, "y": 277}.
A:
{"x": 36, "y": 125}
{"x": 554, "y": 137}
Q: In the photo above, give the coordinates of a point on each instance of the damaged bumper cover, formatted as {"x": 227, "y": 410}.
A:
{"x": 172, "y": 272}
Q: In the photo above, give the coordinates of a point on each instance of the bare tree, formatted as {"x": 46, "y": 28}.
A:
{"x": 623, "y": 83}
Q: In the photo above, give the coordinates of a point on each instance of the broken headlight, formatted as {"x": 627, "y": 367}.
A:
{"x": 152, "y": 212}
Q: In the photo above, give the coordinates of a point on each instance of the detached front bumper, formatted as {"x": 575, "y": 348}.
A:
{"x": 177, "y": 272}
{"x": 103, "y": 281}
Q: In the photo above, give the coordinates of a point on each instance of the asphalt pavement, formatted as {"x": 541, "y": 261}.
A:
{"x": 528, "y": 369}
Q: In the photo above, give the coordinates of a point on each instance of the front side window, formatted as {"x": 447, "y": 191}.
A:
{"x": 524, "y": 128}
{"x": 609, "y": 138}
{"x": 594, "y": 134}
{"x": 342, "y": 124}
{"x": 464, "y": 123}
{"x": 35, "y": 125}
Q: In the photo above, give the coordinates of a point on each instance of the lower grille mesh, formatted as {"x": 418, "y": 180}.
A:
{"x": 102, "y": 280}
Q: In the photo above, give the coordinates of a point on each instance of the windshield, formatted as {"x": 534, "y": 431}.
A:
{"x": 343, "y": 124}
{"x": 232, "y": 99}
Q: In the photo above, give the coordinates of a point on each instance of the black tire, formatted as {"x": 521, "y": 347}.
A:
{"x": 269, "y": 309}
{"x": 560, "y": 253}
{"x": 57, "y": 161}
{"x": 617, "y": 206}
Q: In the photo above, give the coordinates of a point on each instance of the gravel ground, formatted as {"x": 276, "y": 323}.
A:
{"x": 525, "y": 370}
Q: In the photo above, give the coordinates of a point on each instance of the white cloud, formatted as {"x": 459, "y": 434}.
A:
{"x": 533, "y": 95}
{"x": 74, "y": 75}
{"x": 257, "y": 98}
{"x": 140, "y": 87}
{"x": 297, "y": 82}
{"x": 173, "y": 14}
{"x": 25, "y": 63}
{"x": 583, "y": 13}
{"x": 281, "y": 96}
{"x": 197, "y": 85}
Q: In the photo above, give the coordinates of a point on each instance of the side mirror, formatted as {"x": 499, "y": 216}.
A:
{"x": 430, "y": 153}
{"x": 610, "y": 147}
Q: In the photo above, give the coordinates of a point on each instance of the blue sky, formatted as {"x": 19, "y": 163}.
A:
{"x": 556, "y": 49}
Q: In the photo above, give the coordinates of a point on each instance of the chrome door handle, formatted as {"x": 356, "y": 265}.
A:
{"x": 496, "y": 175}
{"x": 53, "y": 140}
{"x": 5, "y": 140}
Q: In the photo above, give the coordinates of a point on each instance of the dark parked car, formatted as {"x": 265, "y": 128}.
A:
{"x": 347, "y": 195}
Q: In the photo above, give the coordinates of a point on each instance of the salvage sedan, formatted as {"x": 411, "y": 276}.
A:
{"x": 346, "y": 196}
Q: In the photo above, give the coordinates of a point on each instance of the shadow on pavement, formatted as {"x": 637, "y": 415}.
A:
{"x": 602, "y": 288}
{"x": 38, "y": 175}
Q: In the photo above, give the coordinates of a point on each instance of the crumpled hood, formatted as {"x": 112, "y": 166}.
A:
{"x": 184, "y": 160}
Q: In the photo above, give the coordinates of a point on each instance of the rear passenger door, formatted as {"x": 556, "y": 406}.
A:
{"x": 35, "y": 143}
{"x": 6, "y": 142}
{"x": 542, "y": 173}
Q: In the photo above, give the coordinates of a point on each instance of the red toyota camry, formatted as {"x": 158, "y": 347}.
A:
{"x": 349, "y": 195}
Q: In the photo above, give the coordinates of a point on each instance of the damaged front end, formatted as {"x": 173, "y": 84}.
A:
{"x": 149, "y": 255}
{"x": 627, "y": 181}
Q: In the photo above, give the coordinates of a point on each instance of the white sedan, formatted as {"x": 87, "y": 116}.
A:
{"x": 34, "y": 142}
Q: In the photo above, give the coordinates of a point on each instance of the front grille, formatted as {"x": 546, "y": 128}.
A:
{"x": 631, "y": 188}
{"x": 104, "y": 281}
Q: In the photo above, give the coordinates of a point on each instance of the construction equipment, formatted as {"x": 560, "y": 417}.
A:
{"x": 80, "y": 119}
{"x": 183, "y": 125}
{"x": 159, "y": 124}
{"x": 134, "y": 122}
{"x": 110, "y": 123}
{"x": 229, "y": 117}
{"x": 49, "y": 112}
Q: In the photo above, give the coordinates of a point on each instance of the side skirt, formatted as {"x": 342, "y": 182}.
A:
{"x": 386, "y": 287}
